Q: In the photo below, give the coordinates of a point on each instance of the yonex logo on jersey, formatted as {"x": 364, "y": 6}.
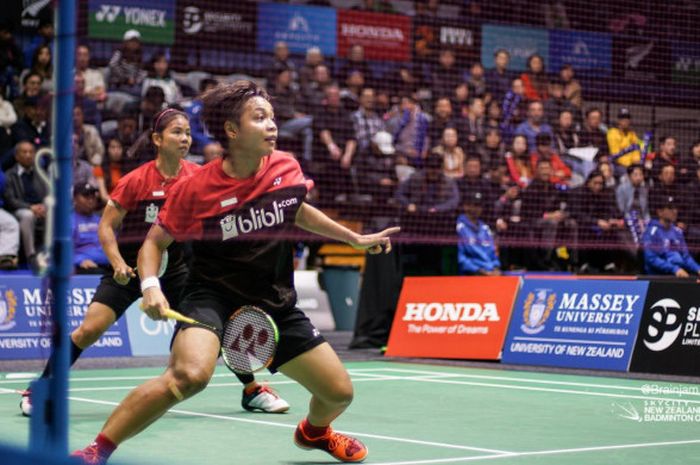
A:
{"x": 151, "y": 213}
{"x": 255, "y": 219}
{"x": 277, "y": 181}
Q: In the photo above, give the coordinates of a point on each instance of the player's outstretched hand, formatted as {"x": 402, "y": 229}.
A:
{"x": 154, "y": 303}
{"x": 375, "y": 243}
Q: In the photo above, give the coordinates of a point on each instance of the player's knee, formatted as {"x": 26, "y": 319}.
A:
{"x": 86, "y": 335}
{"x": 191, "y": 380}
{"x": 339, "y": 394}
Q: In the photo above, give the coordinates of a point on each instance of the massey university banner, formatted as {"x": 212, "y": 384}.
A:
{"x": 669, "y": 335}
{"x": 577, "y": 324}
{"x": 25, "y": 319}
{"x": 452, "y": 317}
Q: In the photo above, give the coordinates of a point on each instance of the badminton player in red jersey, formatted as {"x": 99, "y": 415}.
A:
{"x": 237, "y": 210}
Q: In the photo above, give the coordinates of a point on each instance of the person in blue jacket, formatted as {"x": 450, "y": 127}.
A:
{"x": 89, "y": 256}
{"x": 476, "y": 250}
{"x": 665, "y": 250}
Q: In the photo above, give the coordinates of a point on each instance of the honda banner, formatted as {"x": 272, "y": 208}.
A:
{"x": 452, "y": 317}
{"x": 669, "y": 335}
{"x": 384, "y": 37}
{"x": 577, "y": 324}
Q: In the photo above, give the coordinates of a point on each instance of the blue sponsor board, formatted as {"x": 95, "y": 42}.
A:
{"x": 520, "y": 42}
{"x": 299, "y": 26}
{"x": 26, "y": 325}
{"x": 148, "y": 337}
{"x": 585, "y": 51}
{"x": 578, "y": 324}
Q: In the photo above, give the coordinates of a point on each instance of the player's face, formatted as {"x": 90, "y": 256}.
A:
{"x": 257, "y": 131}
{"x": 175, "y": 140}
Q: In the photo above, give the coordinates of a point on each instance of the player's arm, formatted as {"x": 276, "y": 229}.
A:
{"x": 151, "y": 252}
{"x": 111, "y": 221}
{"x": 314, "y": 220}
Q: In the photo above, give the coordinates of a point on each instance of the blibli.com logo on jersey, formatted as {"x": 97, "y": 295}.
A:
{"x": 255, "y": 219}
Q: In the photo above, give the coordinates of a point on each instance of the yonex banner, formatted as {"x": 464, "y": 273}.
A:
{"x": 452, "y": 317}
{"x": 669, "y": 335}
{"x": 384, "y": 37}
{"x": 155, "y": 19}
{"x": 585, "y": 51}
{"x": 577, "y": 324}
{"x": 686, "y": 62}
{"x": 520, "y": 42}
{"x": 25, "y": 319}
{"x": 299, "y": 26}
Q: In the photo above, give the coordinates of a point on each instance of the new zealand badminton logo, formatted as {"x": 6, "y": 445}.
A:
{"x": 536, "y": 309}
{"x": 665, "y": 325}
{"x": 8, "y": 308}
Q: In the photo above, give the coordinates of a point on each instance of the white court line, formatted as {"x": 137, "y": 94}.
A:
{"x": 544, "y": 452}
{"x": 284, "y": 425}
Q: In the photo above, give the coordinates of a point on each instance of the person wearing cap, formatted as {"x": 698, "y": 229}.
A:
{"x": 33, "y": 125}
{"x": 623, "y": 142}
{"x": 476, "y": 250}
{"x": 88, "y": 256}
{"x": 125, "y": 66}
{"x": 665, "y": 249}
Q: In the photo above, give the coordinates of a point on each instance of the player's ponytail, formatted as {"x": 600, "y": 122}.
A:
{"x": 143, "y": 148}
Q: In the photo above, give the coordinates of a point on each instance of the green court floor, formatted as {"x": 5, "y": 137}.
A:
{"x": 405, "y": 414}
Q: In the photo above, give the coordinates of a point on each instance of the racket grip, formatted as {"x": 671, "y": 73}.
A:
{"x": 175, "y": 315}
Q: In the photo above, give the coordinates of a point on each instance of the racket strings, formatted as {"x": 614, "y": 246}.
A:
{"x": 249, "y": 342}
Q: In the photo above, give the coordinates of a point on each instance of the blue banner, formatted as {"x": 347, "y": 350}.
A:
{"x": 585, "y": 51}
{"x": 577, "y": 324}
{"x": 25, "y": 319}
{"x": 686, "y": 62}
{"x": 148, "y": 337}
{"x": 520, "y": 42}
{"x": 299, "y": 26}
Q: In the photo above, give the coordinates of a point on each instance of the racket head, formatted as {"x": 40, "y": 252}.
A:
{"x": 249, "y": 341}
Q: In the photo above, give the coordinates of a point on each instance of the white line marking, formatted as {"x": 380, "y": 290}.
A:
{"x": 575, "y": 341}
{"x": 284, "y": 425}
{"x": 20, "y": 375}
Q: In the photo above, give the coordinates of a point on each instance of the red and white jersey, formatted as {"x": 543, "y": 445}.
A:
{"x": 240, "y": 229}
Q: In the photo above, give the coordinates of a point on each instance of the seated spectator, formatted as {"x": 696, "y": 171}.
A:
{"x": 514, "y": 109}
{"x": 200, "y": 136}
{"x": 281, "y": 61}
{"x": 428, "y": 190}
{"x": 11, "y": 59}
{"x": 446, "y": 75}
{"x": 518, "y": 162}
{"x": 473, "y": 128}
{"x": 561, "y": 173}
{"x": 535, "y": 79}
{"x": 159, "y": 75}
{"x": 493, "y": 151}
{"x": 477, "y": 82}
{"x": 314, "y": 58}
{"x": 664, "y": 156}
{"x": 405, "y": 82}
{"x": 410, "y": 129}
{"x": 125, "y": 72}
{"x": 665, "y": 250}
{"x": 534, "y": 125}
{"x": 315, "y": 90}
{"x": 112, "y": 169}
{"x": 557, "y": 103}
{"x": 606, "y": 168}
{"x": 493, "y": 115}
{"x": 44, "y": 35}
{"x": 126, "y": 130}
{"x": 665, "y": 185}
{"x": 356, "y": 62}
{"x": 690, "y": 164}
{"x": 573, "y": 92}
{"x": 31, "y": 90}
{"x": 350, "y": 94}
{"x": 291, "y": 122}
{"x": 88, "y": 142}
{"x": 593, "y": 133}
{"x": 632, "y": 196}
{"x": 88, "y": 258}
{"x": 41, "y": 65}
{"x": 474, "y": 180}
{"x": 83, "y": 172}
{"x": 451, "y": 154}
{"x": 366, "y": 123}
{"x": 544, "y": 211}
{"x": 34, "y": 126}
{"x": 623, "y": 143}
{"x": 24, "y": 197}
{"x": 151, "y": 103}
{"x": 461, "y": 100}
{"x": 95, "y": 88}
{"x": 376, "y": 172}
{"x": 498, "y": 78}
{"x": 566, "y": 135}
{"x": 8, "y": 117}
{"x": 9, "y": 232}
{"x": 442, "y": 119}
{"x": 91, "y": 113}
{"x": 476, "y": 250}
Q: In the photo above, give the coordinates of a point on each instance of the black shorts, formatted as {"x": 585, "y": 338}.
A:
{"x": 296, "y": 332}
{"x": 119, "y": 298}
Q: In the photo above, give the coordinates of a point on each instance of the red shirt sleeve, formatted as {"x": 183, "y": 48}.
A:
{"x": 126, "y": 191}
{"x": 178, "y": 216}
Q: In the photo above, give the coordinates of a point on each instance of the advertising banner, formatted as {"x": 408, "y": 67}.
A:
{"x": 110, "y": 19}
{"x": 452, "y": 317}
{"x": 384, "y": 37}
{"x": 434, "y": 34}
{"x": 520, "y": 42}
{"x": 576, "y": 324}
{"x": 215, "y": 24}
{"x": 299, "y": 26}
{"x": 641, "y": 58}
{"x": 148, "y": 337}
{"x": 585, "y": 51}
{"x": 669, "y": 335}
{"x": 25, "y": 319}
{"x": 27, "y": 14}
{"x": 686, "y": 62}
